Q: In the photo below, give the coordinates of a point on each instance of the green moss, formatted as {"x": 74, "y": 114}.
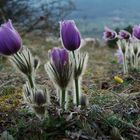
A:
{"x": 10, "y": 99}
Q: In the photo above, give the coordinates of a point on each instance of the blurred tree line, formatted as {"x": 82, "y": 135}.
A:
{"x": 29, "y": 15}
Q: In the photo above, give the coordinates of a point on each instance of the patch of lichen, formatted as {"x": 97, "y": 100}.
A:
{"x": 10, "y": 99}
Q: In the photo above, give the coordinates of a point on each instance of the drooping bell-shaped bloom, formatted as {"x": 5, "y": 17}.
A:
{"x": 10, "y": 40}
{"x": 124, "y": 35}
{"x": 109, "y": 34}
{"x": 136, "y": 32}
{"x": 70, "y": 35}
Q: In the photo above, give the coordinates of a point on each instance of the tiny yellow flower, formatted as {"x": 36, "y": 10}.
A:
{"x": 118, "y": 79}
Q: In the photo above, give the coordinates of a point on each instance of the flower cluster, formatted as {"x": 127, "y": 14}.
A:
{"x": 71, "y": 40}
{"x": 65, "y": 66}
{"x": 23, "y": 60}
{"x": 128, "y": 47}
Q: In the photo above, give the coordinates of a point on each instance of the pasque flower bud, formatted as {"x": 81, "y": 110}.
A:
{"x": 80, "y": 63}
{"x": 38, "y": 100}
{"x": 24, "y": 61}
{"x": 84, "y": 100}
{"x": 36, "y": 63}
{"x": 26, "y": 64}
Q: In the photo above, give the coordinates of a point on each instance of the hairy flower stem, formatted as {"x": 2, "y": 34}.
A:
{"x": 131, "y": 61}
{"x": 76, "y": 82}
{"x": 58, "y": 93}
{"x": 74, "y": 58}
{"x": 31, "y": 81}
{"x": 125, "y": 69}
{"x": 126, "y": 64}
{"x": 136, "y": 61}
{"x": 77, "y": 96}
{"x": 63, "y": 98}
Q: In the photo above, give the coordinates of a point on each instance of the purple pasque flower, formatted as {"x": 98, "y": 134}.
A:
{"x": 119, "y": 56}
{"x": 59, "y": 67}
{"x": 109, "y": 34}
{"x": 59, "y": 57}
{"x": 123, "y": 34}
{"x": 136, "y": 32}
{"x": 70, "y": 35}
{"x": 10, "y": 40}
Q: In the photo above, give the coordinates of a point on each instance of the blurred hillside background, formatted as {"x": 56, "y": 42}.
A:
{"x": 42, "y": 16}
